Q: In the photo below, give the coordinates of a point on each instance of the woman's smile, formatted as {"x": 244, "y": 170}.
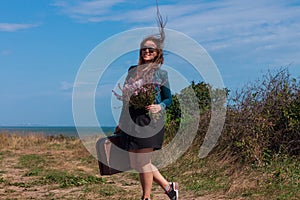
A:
{"x": 149, "y": 51}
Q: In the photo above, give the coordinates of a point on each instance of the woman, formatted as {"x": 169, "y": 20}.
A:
{"x": 141, "y": 132}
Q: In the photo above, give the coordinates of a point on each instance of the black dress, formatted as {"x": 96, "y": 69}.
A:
{"x": 139, "y": 130}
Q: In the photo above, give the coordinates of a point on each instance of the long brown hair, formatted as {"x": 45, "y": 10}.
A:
{"x": 158, "y": 40}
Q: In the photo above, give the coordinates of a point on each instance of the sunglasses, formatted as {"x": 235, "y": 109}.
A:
{"x": 150, "y": 49}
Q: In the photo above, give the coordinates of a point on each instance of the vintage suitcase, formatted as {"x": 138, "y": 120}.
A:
{"x": 111, "y": 158}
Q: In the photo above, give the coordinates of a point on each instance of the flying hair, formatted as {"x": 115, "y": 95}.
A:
{"x": 158, "y": 39}
{"x": 161, "y": 25}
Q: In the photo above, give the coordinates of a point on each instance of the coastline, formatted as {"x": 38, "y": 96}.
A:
{"x": 67, "y": 131}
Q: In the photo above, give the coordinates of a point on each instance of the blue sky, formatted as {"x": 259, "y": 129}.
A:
{"x": 43, "y": 43}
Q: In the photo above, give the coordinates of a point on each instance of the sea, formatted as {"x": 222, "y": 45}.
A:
{"x": 67, "y": 131}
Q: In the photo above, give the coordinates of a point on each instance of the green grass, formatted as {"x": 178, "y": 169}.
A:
{"x": 21, "y": 184}
{"x": 278, "y": 179}
{"x": 28, "y": 161}
{"x": 64, "y": 179}
{"x": 109, "y": 190}
{"x": 10, "y": 191}
{"x": 206, "y": 183}
{"x": 37, "y": 166}
{"x": 198, "y": 175}
{"x": 88, "y": 160}
{"x": 284, "y": 182}
{"x": 34, "y": 163}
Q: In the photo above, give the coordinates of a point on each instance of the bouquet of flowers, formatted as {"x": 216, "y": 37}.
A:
{"x": 137, "y": 93}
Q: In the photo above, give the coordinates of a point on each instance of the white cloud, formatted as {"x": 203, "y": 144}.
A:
{"x": 260, "y": 32}
{"x": 254, "y": 32}
{"x": 222, "y": 24}
{"x": 88, "y": 11}
{"x": 12, "y": 27}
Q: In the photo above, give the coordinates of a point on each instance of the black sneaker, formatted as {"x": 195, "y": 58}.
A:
{"x": 173, "y": 192}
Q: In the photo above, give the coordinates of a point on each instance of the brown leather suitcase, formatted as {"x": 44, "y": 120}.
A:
{"x": 111, "y": 158}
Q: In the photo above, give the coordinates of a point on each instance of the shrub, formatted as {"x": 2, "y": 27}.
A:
{"x": 192, "y": 101}
{"x": 264, "y": 118}
{"x": 194, "y": 93}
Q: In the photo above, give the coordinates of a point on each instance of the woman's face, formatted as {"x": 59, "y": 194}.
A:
{"x": 149, "y": 51}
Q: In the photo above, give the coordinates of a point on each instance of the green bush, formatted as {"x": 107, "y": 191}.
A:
{"x": 183, "y": 105}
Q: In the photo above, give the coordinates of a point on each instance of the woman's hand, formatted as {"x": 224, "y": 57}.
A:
{"x": 154, "y": 108}
{"x": 117, "y": 130}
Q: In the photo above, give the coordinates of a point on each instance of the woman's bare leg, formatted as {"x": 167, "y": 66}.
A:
{"x": 141, "y": 161}
{"x": 159, "y": 179}
{"x": 146, "y": 181}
